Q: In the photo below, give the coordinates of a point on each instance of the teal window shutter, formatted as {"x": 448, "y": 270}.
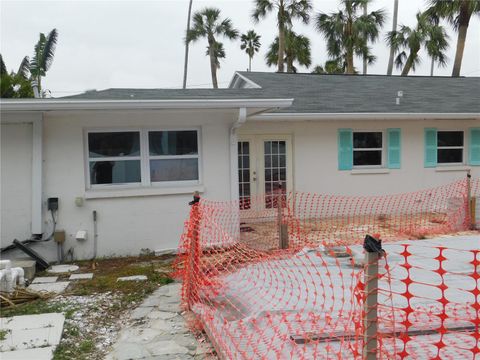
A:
{"x": 430, "y": 147}
{"x": 345, "y": 149}
{"x": 474, "y": 144}
{"x": 394, "y": 150}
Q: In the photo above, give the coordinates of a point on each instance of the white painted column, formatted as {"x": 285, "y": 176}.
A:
{"x": 37, "y": 175}
{"x": 242, "y": 117}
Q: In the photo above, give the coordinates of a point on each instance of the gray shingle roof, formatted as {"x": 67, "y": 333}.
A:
{"x": 331, "y": 93}
{"x": 173, "y": 94}
{"x": 372, "y": 93}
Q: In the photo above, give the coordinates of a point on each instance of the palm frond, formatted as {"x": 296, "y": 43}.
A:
{"x": 24, "y": 67}
{"x": 49, "y": 50}
{"x": 3, "y": 67}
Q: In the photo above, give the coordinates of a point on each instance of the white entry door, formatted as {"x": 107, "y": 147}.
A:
{"x": 264, "y": 162}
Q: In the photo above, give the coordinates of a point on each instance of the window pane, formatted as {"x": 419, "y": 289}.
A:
{"x": 450, "y": 155}
{"x": 114, "y": 172}
{"x": 173, "y": 170}
{"x": 114, "y": 144}
{"x": 173, "y": 142}
{"x": 367, "y": 140}
{"x": 367, "y": 158}
{"x": 450, "y": 138}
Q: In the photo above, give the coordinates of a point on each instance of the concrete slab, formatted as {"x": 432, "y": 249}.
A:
{"x": 86, "y": 276}
{"x": 60, "y": 269}
{"x": 45, "y": 279}
{"x": 56, "y": 288}
{"x": 133, "y": 278}
{"x": 30, "y": 332}
{"x": 44, "y": 353}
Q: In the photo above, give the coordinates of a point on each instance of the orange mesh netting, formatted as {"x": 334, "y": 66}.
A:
{"x": 285, "y": 276}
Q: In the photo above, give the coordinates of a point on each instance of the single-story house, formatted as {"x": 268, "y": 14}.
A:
{"x": 133, "y": 157}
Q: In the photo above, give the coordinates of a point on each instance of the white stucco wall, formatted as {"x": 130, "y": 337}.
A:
{"x": 16, "y": 181}
{"x": 315, "y": 157}
{"x": 126, "y": 224}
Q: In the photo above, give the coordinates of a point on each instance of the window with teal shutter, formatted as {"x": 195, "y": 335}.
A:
{"x": 430, "y": 147}
{"x": 474, "y": 143}
{"x": 394, "y": 148}
{"x": 345, "y": 149}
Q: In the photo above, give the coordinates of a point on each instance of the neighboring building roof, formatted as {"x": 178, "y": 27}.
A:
{"x": 367, "y": 94}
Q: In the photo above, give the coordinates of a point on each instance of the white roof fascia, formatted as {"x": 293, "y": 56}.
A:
{"x": 362, "y": 116}
{"x": 237, "y": 76}
{"x": 51, "y": 105}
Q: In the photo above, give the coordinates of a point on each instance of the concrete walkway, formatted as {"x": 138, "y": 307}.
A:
{"x": 158, "y": 331}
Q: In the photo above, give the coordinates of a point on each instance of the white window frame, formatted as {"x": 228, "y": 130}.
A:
{"x": 451, "y": 148}
{"x": 382, "y": 149}
{"x": 144, "y": 159}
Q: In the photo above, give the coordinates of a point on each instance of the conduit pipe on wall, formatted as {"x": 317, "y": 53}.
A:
{"x": 95, "y": 234}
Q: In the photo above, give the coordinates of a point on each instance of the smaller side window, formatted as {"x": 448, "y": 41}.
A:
{"x": 450, "y": 147}
{"x": 367, "y": 148}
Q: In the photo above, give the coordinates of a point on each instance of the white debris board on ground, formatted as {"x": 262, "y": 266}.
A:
{"x": 45, "y": 279}
{"x": 60, "y": 269}
{"x": 133, "y": 278}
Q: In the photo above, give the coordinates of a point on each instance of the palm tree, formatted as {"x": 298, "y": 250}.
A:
{"x": 185, "y": 63}
{"x": 348, "y": 31}
{"x": 15, "y": 85}
{"x": 335, "y": 66}
{"x": 426, "y": 34}
{"x": 250, "y": 42}
{"x": 207, "y": 24}
{"x": 458, "y": 13}
{"x": 394, "y": 28}
{"x": 287, "y": 11}
{"x": 43, "y": 57}
{"x": 297, "y": 49}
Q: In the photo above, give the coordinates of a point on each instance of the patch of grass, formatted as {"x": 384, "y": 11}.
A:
{"x": 3, "y": 334}
{"x": 39, "y": 306}
{"x": 73, "y": 345}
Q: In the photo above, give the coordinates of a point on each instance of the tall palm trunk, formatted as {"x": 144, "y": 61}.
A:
{"x": 394, "y": 28}
{"x": 408, "y": 63}
{"x": 289, "y": 64}
{"x": 213, "y": 62}
{"x": 365, "y": 62}
{"x": 349, "y": 55}
{"x": 463, "y": 21}
{"x": 185, "y": 65}
{"x": 281, "y": 47}
{"x": 432, "y": 66}
{"x": 249, "y": 63}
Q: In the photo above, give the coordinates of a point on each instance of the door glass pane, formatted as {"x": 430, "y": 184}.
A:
{"x": 275, "y": 171}
{"x": 173, "y": 170}
{"x": 114, "y": 172}
{"x": 109, "y": 144}
{"x": 244, "y": 174}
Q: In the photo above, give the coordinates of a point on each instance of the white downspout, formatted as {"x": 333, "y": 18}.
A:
{"x": 37, "y": 175}
{"x": 242, "y": 117}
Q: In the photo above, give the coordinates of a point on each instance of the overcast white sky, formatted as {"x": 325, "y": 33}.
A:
{"x": 105, "y": 44}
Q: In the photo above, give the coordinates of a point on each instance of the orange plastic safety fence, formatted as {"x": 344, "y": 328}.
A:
{"x": 260, "y": 298}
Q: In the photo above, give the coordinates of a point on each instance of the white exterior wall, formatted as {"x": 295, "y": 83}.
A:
{"x": 315, "y": 156}
{"x": 154, "y": 218}
{"x": 16, "y": 182}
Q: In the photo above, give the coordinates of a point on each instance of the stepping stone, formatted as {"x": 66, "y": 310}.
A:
{"x": 60, "y": 269}
{"x": 34, "y": 332}
{"x": 40, "y": 353}
{"x": 86, "y": 276}
{"x": 45, "y": 279}
{"x": 133, "y": 278}
{"x": 57, "y": 287}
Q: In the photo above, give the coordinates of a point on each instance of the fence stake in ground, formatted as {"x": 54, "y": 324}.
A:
{"x": 373, "y": 252}
{"x": 282, "y": 225}
{"x": 194, "y": 251}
